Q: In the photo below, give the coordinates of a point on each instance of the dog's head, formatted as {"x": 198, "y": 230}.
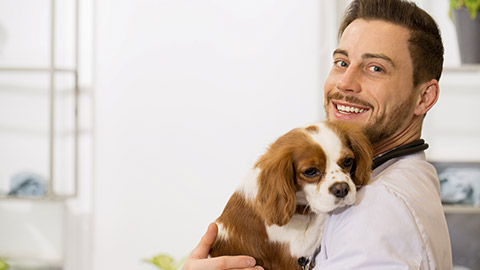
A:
{"x": 319, "y": 166}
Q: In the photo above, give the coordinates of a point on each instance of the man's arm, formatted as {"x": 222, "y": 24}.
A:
{"x": 198, "y": 259}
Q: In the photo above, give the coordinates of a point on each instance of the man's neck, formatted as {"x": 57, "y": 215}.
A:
{"x": 409, "y": 134}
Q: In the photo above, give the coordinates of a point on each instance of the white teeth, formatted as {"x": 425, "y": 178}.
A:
{"x": 348, "y": 109}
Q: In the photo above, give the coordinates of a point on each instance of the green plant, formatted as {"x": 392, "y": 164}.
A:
{"x": 472, "y": 5}
{"x": 3, "y": 265}
{"x": 165, "y": 262}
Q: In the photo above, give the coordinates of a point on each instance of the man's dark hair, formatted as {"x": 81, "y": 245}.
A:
{"x": 425, "y": 43}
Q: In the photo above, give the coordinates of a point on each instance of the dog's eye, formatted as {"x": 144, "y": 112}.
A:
{"x": 347, "y": 162}
{"x": 311, "y": 172}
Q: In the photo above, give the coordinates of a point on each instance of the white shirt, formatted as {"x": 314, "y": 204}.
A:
{"x": 397, "y": 222}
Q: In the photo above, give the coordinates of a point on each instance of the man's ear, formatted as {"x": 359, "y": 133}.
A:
{"x": 428, "y": 96}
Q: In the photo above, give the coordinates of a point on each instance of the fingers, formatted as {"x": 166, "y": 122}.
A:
{"x": 203, "y": 248}
{"x": 232, "y": 262}
{"x": 198, "y": 259}
{"x": 222, "y": 263}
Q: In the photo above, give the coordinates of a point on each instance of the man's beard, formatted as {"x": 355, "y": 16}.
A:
{"x": 384, "y": 126}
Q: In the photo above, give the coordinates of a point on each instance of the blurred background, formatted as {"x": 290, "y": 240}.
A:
{"x": 125, "y": 125}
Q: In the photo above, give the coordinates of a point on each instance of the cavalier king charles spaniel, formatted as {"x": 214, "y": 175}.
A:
{"x": 276, "y": 215}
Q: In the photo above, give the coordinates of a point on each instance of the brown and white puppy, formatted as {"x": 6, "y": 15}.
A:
{"x": 277, "y": 213}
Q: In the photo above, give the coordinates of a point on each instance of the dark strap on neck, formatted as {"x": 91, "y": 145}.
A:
{"x": 403, "y": 150}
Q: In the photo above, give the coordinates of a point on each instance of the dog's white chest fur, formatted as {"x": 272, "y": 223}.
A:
{"x": 303, "y": 234}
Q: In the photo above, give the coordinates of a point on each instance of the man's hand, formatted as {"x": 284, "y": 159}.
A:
{"x": 198, "y": 259}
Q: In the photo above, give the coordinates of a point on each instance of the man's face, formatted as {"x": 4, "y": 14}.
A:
{"x": 371, "y": 81}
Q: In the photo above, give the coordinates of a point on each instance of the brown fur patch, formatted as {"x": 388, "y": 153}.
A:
{"x": 247, "y": 235}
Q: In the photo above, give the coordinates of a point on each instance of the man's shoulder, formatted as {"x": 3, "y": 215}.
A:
{"x": 377, "y": 225}
{"x": 377, "y": 206}
{"x": 407, "y": 187}
{"x": 408, "y": 176}
{"x": 415, "y": 164}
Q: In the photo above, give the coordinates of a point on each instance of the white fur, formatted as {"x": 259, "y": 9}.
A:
{"x": 248, "y": 188}
{"x": 303, "y": 233}
{"x": 222, "y": 233}
{"x": 329, "y": 141}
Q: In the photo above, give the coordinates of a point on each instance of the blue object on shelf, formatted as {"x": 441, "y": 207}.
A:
{"x": 27, "y": 184}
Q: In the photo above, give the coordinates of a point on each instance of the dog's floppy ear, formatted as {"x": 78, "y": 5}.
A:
{"x": 276, "y": 200}
{"x": 361, "y": 148}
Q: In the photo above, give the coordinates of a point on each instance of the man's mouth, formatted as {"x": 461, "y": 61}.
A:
{"x": 344, "y": 109}
{"x": 348, "y": 105}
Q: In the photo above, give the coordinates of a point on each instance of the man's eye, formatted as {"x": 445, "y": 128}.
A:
{"x": 311, "y": 172}
{"x": 376, "y": 69}
{"x": 341, "y": 63}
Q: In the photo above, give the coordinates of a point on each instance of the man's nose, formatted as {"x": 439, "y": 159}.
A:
{"x": 349, "y": 81}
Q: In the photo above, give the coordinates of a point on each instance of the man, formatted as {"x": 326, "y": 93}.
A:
{"x": 385, "y": 78}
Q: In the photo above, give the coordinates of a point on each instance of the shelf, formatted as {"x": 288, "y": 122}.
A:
{"x": 461, "y": 209}
{"x": 50, "y": 127}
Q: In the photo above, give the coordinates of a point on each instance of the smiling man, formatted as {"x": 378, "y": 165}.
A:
{"x": 384, "y": 77}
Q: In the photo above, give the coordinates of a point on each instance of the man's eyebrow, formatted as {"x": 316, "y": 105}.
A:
{"x": 378, "y": 55}
{"x": 340, "y": 51}
{"x": 367, "y": 56}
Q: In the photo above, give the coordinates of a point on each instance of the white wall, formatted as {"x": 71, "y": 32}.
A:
{"x": 188, "y": 94}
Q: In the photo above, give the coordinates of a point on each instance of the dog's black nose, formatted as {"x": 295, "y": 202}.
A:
{"x": 339, "y": 190}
